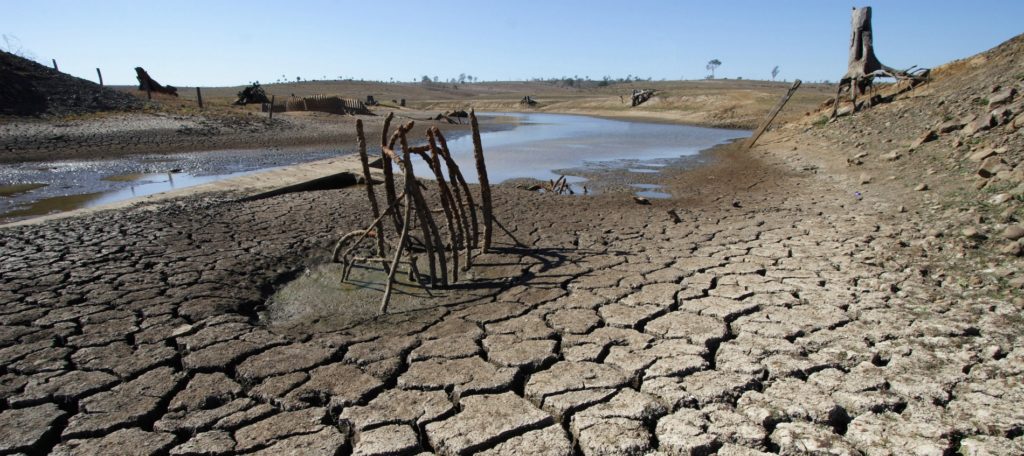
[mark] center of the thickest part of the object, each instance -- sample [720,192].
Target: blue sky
[212,42]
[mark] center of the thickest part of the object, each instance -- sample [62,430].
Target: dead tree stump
[863,66]
[148,84]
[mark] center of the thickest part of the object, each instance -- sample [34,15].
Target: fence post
[149,91]
[55,65]
[100,75]
[199,97]
[272,107]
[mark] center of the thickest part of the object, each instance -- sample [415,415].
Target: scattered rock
[1013,232]
[921,187]
[1002,97]
[891,156]
[950,126]
[925,137]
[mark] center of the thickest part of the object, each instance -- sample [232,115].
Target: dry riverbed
[771,311]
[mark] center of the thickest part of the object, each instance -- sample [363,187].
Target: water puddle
[651,191]
[68,185]
[17,189]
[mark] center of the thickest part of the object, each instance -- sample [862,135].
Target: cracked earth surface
[787,322]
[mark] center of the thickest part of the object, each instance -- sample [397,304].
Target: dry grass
[726,103]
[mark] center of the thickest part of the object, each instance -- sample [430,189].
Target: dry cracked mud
[792,321]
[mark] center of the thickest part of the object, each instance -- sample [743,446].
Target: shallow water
[537,146]
[49,187]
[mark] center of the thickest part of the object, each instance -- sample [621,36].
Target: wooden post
[364,161]
[485,185]
[55,65]
[98,73]
[199,97]
[771,114]
[149,91]
[272,107]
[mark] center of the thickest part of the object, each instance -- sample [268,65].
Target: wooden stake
[447,203]
[771,114]
[389,175]
[364,160]
[403,238]
[272,98]
[485,186]
[431,236]
[55,65]
[98,73]
[199,98]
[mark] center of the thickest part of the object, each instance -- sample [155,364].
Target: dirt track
[779,315]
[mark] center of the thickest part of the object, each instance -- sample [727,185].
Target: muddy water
[544,146]
[39,188]
[533,146]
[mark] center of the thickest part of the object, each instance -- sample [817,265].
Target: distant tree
[425,79]
[712,65]
[462,78]
[775,72]
[436,79]
[297,79]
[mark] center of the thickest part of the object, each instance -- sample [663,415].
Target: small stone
[972,233]
[1012,249]
[925,137]
[1002,97]
[865,179]
[891,156]
[992,166]
[1013,232]
[979,124]
[950,126]
[901,209]
[921,187]
[981,154]
[1000,198]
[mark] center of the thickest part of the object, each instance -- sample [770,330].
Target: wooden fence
[319,103]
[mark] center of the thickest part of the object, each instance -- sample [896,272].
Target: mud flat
[770,311]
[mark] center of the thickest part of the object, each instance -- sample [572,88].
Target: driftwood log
[148,84]
[411,211]
[863,66]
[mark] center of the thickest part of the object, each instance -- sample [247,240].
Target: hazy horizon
[217,44]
